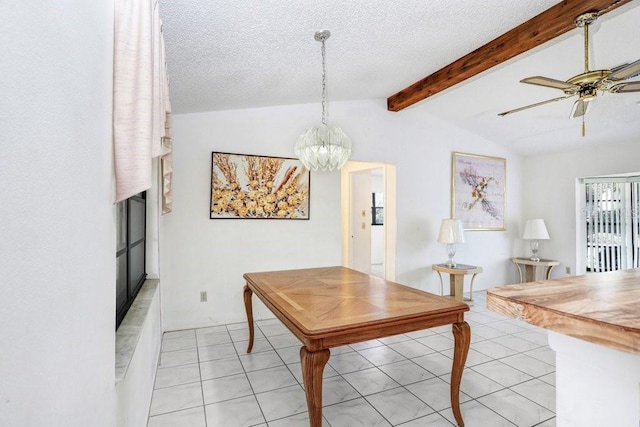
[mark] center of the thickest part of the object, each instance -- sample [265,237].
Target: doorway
[367,245]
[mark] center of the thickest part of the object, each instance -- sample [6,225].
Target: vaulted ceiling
[232,54]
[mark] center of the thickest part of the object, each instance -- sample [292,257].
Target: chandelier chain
[324,82]
[323,148]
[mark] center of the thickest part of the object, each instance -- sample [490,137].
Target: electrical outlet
[567,270]
[203,296]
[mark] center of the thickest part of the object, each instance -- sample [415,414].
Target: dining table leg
[249,309]
[313,363]
[462,339]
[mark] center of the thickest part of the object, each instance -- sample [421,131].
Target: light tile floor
[206,379]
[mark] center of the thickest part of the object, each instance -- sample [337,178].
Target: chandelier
[323,148]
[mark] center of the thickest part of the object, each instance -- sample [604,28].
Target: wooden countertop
[602,308]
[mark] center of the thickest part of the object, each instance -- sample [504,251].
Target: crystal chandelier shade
[323,148]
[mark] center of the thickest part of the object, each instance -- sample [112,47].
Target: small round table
[456,278]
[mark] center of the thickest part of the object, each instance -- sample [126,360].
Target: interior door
[361,221]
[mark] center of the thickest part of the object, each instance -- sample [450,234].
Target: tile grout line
[204,409]
[506,332]
[255,395]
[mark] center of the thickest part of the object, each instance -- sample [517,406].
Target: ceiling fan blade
[526,107]
[625,87]
[630,70]
[580,107]
[619,67]
[549,82]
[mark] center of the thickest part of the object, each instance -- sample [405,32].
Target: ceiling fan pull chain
[584,130]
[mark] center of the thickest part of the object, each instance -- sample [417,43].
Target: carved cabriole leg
[312,367]
[249,309]
[462,336]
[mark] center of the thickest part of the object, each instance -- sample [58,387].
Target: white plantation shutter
[612,224]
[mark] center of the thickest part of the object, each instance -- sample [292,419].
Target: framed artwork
[478,187]
[258,187]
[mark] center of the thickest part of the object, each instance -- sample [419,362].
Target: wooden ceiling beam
[546,26]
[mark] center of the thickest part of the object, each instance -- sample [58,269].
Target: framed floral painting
[478,187]
[258,187]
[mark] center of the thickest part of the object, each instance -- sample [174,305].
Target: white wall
[57,266]
[551,192]
[134,390]
[200,254]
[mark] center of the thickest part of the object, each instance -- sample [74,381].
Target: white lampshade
[534,229]
[451,231]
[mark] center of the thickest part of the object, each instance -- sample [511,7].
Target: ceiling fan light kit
[587,84]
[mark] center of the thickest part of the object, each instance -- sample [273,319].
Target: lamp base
[534,251]
[451,252]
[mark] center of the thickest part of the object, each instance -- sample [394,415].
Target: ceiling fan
[587,84]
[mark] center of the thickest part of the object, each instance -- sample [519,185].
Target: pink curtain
[141,106]
[166,166]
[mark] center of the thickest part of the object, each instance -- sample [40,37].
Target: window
[130,252]
[612,223]
[377,209]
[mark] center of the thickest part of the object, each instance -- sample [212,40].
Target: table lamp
[534,230]
[451,233]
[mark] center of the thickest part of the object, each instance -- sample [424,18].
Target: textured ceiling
[231,54]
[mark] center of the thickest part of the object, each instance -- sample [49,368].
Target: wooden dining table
[334,306]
